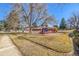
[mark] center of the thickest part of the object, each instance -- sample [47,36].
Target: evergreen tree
[63,24]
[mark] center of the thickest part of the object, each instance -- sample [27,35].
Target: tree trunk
[30,18]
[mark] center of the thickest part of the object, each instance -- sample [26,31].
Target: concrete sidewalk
[7,48]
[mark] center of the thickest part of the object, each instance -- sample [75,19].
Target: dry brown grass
[58,44]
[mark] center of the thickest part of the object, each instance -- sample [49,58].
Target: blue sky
[4,10]
[59,11]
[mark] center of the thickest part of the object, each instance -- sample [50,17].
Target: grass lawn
[36,44]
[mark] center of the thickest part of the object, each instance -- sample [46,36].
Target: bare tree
[74,21]
[12,22]
[36,13]
[48,20]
